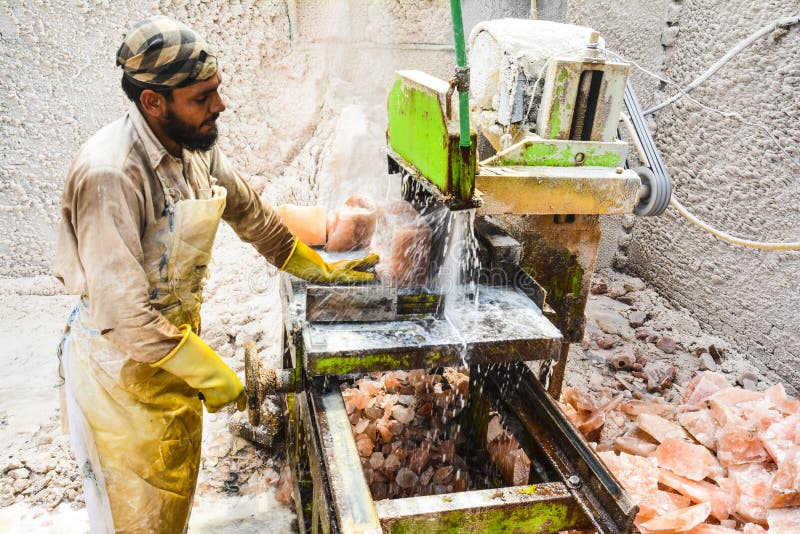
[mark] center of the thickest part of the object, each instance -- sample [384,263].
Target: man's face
[192,113]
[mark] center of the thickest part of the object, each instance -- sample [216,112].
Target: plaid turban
[160,53]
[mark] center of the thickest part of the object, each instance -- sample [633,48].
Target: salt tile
[638,475]
[721,500]
[660,428]
[784,520]
[786,481]
[755,491]
[702,426]
[702,386]
[738,443]
[781,437]
[634,446]
[680,520]
[777,397]
[685,459]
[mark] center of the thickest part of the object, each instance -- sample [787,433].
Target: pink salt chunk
[636,407]
[739,444]
[784,520]
[660,428]
[680,520]
[702,386]
[753,482]
[633,445]
[724,404]
[638,475]
[659,503]
[777,397]
[352,226]
[702,426]
[786,481]
[699,491]
[685,459]
[753,528]
[403,242]
[578,399]
[781,437]
[307,223]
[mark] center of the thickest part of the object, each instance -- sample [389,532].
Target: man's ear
[153,104]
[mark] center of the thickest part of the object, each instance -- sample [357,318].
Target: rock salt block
[694,462]
[364,445]
[681,520]
[699,491]
[786,481]
[781,437]
[578,399]
[638,475]
[403,242]
[402,414]
[702,426]
[702,386]
[352,226]
[753,482]
[777,397]
[659,503]
[784,520]
[659,428]
[739,444]
[307,223]
[725,404]
[596,419]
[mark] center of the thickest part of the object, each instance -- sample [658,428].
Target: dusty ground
[241,304]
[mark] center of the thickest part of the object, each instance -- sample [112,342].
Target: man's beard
[188,136]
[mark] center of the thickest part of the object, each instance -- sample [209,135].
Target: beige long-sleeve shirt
[112,196]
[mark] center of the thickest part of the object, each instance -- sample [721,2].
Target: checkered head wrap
[161,53]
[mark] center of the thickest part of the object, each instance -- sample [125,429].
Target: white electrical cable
[727,237]
[785,22]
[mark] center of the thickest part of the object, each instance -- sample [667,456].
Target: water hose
[462,73]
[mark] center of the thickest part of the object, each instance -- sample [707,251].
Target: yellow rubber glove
[193,361]
[305,263]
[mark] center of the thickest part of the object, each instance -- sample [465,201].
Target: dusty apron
[136,430]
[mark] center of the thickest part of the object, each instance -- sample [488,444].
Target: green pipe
[461,61]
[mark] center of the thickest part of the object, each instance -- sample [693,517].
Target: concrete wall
[728,173]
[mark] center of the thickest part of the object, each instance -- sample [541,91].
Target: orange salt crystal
[784,520]
[660,428]
[781,437]
[755,490]
[786,481]
[635,446]
[680,520]
[702,386]
[659,503]
[638,475]
[702,426]
[721,501]
[777,397]
[739,444]
[685,459]
[725,404]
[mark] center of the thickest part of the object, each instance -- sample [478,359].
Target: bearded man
[141,206]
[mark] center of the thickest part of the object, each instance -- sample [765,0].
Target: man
[140,210]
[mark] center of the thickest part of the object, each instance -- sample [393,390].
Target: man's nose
[218,104]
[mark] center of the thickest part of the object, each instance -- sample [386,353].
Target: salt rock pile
[724,459]
[405,431]
[403,242]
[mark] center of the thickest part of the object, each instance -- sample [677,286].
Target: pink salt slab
[352,226]
[685,459]
[724,404]
[659,503]
[781,437]
[307,223]
[660,428]
[739,444]
[755,490]
[784,520]
[638,475]
[786,481]
[699,491]
[702,426]
[636,407]
[702,386]
[680,520]
[777,397]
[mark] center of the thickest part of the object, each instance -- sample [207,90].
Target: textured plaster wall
[727,172]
